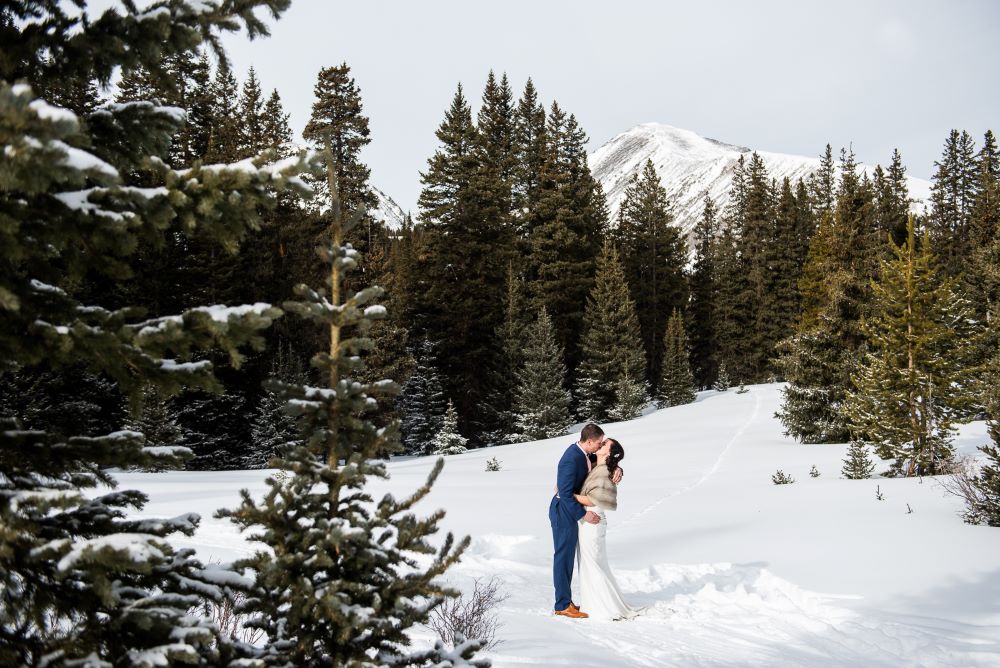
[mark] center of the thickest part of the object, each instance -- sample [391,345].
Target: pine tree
[461,269]
[630,398]
[251,115]
[892,200]
[511,336]
[448,441]
[530,144]
[913,384]
[820,358]
[858,464]
[676,385]
[337,113]
[564,232]
[541,404]
[953,194]
[338,589]
[83,580]
[277,133]
[273,427]
[495,123]
[421,403]
[155,420]
[722,382]
[224,142]
[702,325]
[654,255]
[612,343]
[983,277]
[823,185]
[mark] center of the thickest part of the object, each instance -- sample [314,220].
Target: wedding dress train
[600,596]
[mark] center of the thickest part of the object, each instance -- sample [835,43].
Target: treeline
[516,298]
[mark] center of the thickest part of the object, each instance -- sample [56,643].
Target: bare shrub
[232,623]
[963,473]
[472,615]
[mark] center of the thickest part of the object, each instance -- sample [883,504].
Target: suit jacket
[569,480]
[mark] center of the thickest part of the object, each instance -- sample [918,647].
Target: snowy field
[732,570]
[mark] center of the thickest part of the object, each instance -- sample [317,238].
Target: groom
[565,513]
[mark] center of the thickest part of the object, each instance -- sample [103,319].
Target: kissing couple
[586,487]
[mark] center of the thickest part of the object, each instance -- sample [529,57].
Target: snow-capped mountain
[388,211]
[689,166]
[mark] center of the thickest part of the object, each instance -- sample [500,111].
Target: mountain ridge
[691,166]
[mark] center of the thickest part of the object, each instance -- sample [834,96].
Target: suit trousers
[565,533]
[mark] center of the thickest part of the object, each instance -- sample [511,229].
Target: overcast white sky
[784,76]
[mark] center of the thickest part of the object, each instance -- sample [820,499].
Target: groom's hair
[590,432]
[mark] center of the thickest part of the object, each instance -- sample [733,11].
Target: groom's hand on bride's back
[617,476]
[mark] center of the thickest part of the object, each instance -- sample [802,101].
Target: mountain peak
[691,166]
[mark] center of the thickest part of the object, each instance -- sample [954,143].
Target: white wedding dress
[600,596]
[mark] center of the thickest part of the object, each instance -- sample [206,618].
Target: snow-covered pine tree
[156,420]
[422,403]
[722,381]
[858,464]
[448,441]
[541,402]
[273,427]
[913,384]
[835,286]
[987,483]
[339,583]
[676,382]
[612,342]
[81,582]
[510,335]
[630,398]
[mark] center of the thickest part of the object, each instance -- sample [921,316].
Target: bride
[599,592]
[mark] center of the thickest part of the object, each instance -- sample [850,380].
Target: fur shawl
[600,489]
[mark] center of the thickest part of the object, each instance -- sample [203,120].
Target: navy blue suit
[564,514]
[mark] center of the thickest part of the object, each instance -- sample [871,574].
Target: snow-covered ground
[733,570]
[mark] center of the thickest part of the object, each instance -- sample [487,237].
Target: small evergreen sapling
[676,380]
[448,441]
[493,464]
[722,381]
[858,464]
[782,478]
[814,472]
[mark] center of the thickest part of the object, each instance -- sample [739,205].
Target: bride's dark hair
[616,454]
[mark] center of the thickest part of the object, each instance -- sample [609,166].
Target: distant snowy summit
[689,166]
[387,211]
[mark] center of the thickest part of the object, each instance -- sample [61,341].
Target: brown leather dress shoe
[572,612]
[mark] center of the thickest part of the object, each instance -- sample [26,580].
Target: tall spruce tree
[564,236]
[82,579]
[981,279]
[654,255]
[530,145]
[461,268]
[224,142]
[702,324]
[676,385]
[541,402]
[819,359]
[612,342]
[338,580]
[953,194]
[251,115]
[338,114]
[914,382]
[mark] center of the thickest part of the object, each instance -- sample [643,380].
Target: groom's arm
[564,481]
